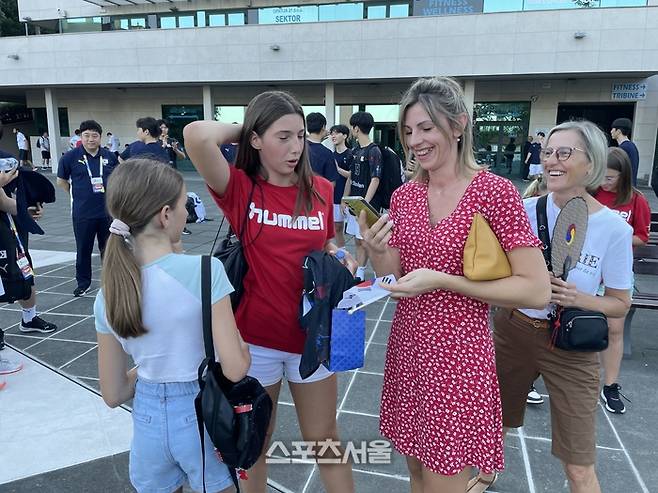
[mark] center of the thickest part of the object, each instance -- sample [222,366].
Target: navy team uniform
[88,175]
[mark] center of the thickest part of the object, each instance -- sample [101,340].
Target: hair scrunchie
[118,227]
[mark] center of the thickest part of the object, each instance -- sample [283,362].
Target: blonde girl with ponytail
[149,310]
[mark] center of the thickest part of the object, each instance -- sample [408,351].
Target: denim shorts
[166,450]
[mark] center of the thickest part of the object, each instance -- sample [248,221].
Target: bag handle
[542,230]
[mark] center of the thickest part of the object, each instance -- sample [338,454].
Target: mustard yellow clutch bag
[484,258]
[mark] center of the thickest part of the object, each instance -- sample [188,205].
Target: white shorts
[352,226]
[339,217]
[535,169]
[269,366]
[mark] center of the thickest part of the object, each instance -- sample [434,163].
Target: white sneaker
[534,397]
[7,367]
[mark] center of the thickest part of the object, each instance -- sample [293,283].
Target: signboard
[447,7]
[288,15]
[629,91]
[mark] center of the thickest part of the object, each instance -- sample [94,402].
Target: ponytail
[137,190]
[122,288]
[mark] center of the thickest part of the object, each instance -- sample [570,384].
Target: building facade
[525,64]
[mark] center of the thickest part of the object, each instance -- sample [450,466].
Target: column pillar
[208,110]
[329,104]
[52,116]
[469,95]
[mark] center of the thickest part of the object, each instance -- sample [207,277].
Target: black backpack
[15,285]
[236,415]
[392,176]
[191,213]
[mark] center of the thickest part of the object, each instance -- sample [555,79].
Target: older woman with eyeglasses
[574,160]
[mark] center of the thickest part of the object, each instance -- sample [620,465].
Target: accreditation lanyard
[21,258]
[96,181]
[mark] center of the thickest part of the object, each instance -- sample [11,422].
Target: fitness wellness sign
[447,7]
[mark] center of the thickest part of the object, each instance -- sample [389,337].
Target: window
[502,5]
[186,21]
[229,114]
[168,22]
[623,3]
[41,121]
[81,24]
[341,12]
[554,5]
[377,12]
[201,18]
[125,23]
[384,112]
[399,10]
[216,20]
[236,19]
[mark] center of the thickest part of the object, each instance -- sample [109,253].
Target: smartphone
[358,204]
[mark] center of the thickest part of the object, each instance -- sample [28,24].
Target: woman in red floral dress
[440,401]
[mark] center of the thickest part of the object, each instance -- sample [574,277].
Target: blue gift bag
[348,340]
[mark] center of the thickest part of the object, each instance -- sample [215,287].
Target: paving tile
[69,286]
[19,341]
[357,429]
[382,332]
[513,479]
[365,394]
[89,381]
[366,483]
[375,358]
[82,331]
[82,305]
[57,353]
[85,366]
[109,474]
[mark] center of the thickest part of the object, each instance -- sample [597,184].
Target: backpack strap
[206,316]
[542,230]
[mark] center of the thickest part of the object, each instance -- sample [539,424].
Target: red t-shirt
[637,212]
[268,314]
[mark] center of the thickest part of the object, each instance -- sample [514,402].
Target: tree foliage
[9,23]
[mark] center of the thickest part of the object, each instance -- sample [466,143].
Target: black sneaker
[186,231]
[610,396]
[38,324]
[80,291]
[2,339]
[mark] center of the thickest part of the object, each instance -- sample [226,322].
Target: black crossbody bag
[235,414]
[573,329]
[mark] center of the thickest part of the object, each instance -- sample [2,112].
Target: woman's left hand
[417,282]
[563,293]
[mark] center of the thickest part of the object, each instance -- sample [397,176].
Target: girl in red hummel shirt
[618,194]
[290,213]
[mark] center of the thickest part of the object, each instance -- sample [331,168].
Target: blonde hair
[441,96]
[137,190]
[536,189]
[595,145]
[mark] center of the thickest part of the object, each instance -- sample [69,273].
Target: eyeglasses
[562,153]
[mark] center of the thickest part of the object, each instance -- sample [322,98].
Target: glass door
[178,116]
[500,132]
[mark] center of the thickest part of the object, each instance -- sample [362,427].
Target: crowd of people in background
[452,386]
